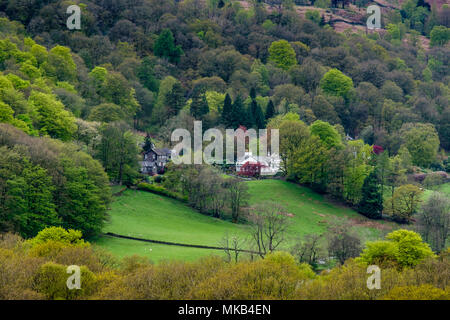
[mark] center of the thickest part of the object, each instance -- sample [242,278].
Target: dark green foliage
[165,47]
[371,204]
[199,105]
[147,143]
[227,111]
[118,152]
[237,113]
[270,110]
[79,200]
[175,100]
[257,115]
[146,75]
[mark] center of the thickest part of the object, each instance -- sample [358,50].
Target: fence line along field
[146,215]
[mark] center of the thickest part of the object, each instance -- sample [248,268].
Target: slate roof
[162,152]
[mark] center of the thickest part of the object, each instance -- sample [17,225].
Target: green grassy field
[146,215]
[445,188]
[156,252]
[312,213]
[149,216]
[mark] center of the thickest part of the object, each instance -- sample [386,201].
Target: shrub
[58,234]
[275,277]
[423,292]
[160,190]
[51,281]
[433,179]
[381,253]
[404,203]
[404,248]
[439,35]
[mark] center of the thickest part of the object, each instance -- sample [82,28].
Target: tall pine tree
[199,105]
[371,204]
[238,112]
[227,111]
[148,145]
[257,115]
[270,110]
[249,116]
[165,47]
[175,99]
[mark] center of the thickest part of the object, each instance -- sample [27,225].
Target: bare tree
[207,191]
[343,243]
[308,249]
[237,195]
[233,246]
[270,222]
[433,221]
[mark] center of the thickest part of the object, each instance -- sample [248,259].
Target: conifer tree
[257,115]
[175,99]
[238,112]
[147,143]
[226,111]
[199,105]
[371,203]
[165,47]
[252,93]
[249,116]
[270,110]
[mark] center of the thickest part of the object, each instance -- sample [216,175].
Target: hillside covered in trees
[363,117]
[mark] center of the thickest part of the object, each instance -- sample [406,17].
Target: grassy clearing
[149,216]
[155,252]
[146,215]
[312,212]
[445,188]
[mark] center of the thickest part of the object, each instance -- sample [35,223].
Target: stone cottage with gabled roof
[155,160]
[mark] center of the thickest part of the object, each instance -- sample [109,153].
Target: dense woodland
[36,269]
[364,117]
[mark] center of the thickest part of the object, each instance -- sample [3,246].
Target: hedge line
[160,191]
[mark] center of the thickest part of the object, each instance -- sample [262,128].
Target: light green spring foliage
[277,121]
[334,82]
[277,275]
[282,54]
[313,15]
[59,234]
[422,142]
[52,118]
[357,169]
[422,292]
[327,133]
[402,248]
[98,74]
[440,35]
[51,280]
[60,65]
[41,71]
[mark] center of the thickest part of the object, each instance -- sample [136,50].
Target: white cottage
[270,164]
